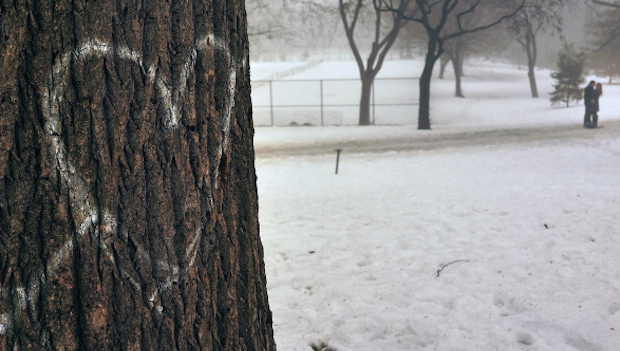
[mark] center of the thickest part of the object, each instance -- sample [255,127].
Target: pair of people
[591,95]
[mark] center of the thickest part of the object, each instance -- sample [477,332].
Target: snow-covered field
[497,230]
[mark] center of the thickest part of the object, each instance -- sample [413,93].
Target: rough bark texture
[128,201]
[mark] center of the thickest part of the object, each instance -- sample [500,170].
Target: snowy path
[413,139]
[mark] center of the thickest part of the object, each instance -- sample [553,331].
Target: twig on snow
[448,264]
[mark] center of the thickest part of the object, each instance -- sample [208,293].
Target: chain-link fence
[333,102]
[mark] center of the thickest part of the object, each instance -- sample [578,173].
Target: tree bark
[365,97]
[443,63]
[457,65]
[531,51]
[128,200]
[531,74]
[424,109]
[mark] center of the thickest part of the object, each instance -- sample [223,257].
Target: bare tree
[128,200]
[434,15]
[455,51]
[444,60]
[458,48]
[603,29]
[292,26]
[319,24]
[534,18]
[265,19]
[606,25]
[351,13]
[407,41]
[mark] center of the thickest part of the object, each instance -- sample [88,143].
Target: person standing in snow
[589,100]
[598,91]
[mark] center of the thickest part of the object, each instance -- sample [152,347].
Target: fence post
[321,102]
[322,106]
[337,159]
[271,101]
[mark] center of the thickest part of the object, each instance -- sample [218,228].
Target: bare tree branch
[434,17]
[606,3]
[379,48]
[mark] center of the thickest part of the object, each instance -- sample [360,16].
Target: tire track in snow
[437,140]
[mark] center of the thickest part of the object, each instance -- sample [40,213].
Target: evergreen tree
[570,75]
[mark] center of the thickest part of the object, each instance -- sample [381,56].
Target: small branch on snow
[448,264]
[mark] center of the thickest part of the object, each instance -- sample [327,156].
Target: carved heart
[80,197]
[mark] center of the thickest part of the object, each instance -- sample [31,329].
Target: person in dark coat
[598,89]
[589,100]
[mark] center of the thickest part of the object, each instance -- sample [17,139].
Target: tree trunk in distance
[128,200]
[531,51]
[443,63]
[365,98]
[457,65]
[424,119]
[531,74]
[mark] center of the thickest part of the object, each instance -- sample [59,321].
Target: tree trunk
[531,74]
[379,48]
[443,63]
[457,65]
[128,200]
[531,66]
[365,101]
[424,115]
[531,51]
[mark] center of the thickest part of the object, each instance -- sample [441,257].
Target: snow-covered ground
[497,230]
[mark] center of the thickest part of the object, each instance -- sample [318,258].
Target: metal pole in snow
[337,159]
[271,100]
[321,102]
